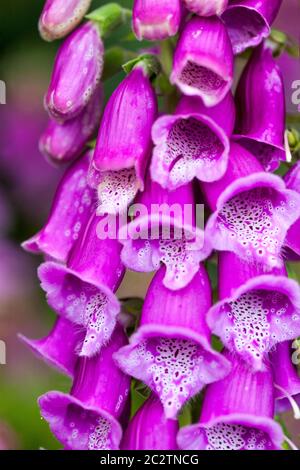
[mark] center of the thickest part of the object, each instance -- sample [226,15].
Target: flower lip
[243,185]
[213,365]
[242,38]
[54,407]
[72,206]
[194,243]
[101,306]
[219,321]
[203,60]
[202,8]
[271,152]
[57,353]
[186,436]
[160,133]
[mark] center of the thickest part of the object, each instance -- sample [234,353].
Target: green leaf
[148,62]
[109,17]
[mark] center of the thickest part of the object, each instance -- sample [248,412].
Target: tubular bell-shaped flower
[87,418]
[62,142]
[76,73]
[286,378]
[149,429]
[83,291]
[255,315]
[123,148]
[156,19]
[237,413]
[205,8]
[292,241]
[253,210]
[262,133]
[203,60]
[73,204]
[192,143]
[171,352]
[248,21]
[60,17]
[59,348]
[165,232]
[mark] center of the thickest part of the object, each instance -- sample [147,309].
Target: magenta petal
[262,133]
[286,377]
[192,143]
[76,73]
[83,291]
[165,233]
[292,241]
[60,17]
[252,218]
[116,189]
[259,314]
[203,60]
[62,142]
[156,19]
[59,347]
[73,204]
[237,414]
[149,429]
[171,352]
[248,21]
[205,8]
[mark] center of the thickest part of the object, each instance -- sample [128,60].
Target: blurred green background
[27,184]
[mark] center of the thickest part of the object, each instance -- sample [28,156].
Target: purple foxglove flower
[62,142]
[292,241]
[205,8]
[203,60]
[252,213]
[83,290]
[165,232]
[254,316]
[286,379]
[87,418]
[156,20]
[73,204]
[122,149]
[260,122]
[192,143]
[248,21]
[76,74]
[149,429]
[60,17]
[237,414]
[171,352]
[59,347]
